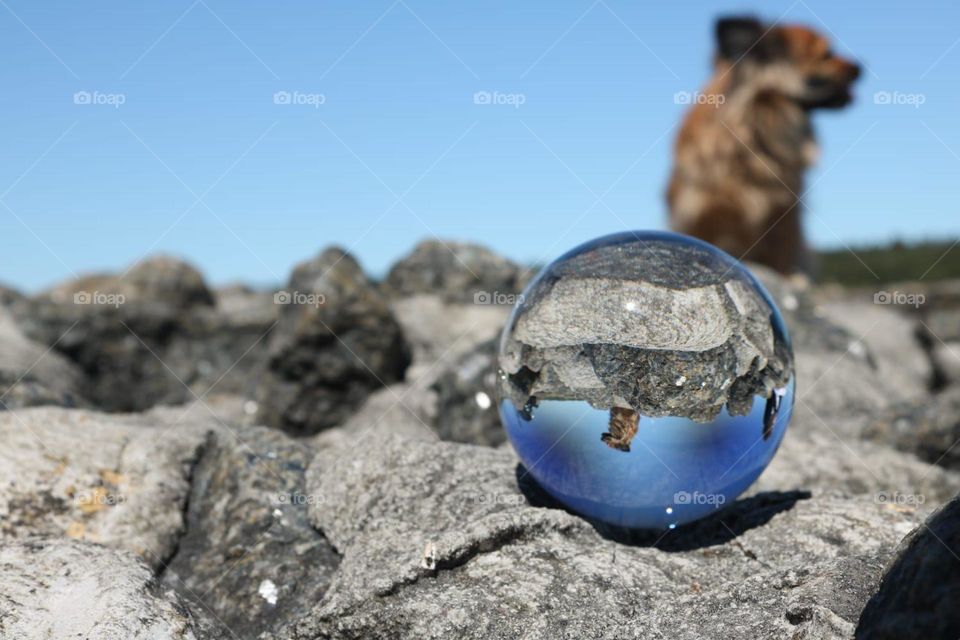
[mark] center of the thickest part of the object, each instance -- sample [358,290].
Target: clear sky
[182,144]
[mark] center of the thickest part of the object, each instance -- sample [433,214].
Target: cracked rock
[250,555]
[439,540]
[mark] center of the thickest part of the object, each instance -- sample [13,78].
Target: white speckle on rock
[429,559]
[680,381]
[856,348]
[483,400]
[268,591]
[250,407]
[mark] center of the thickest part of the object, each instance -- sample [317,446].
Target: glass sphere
[646,379]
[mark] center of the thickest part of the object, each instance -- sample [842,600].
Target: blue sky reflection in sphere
[646,379]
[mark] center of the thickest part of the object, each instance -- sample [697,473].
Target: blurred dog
[743,148]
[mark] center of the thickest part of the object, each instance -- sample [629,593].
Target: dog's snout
[854,70]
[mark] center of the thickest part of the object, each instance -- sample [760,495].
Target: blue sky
[184,149]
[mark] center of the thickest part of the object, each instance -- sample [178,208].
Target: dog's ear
[736,37]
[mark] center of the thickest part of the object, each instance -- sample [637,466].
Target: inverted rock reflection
[646,379]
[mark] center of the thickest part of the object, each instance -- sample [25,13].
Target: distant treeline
[894,262]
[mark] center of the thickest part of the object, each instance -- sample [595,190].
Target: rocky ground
[183,462]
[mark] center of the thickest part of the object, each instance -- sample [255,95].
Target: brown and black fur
[623,427]
[739,165]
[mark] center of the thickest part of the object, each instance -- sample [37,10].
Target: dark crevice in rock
[201,454]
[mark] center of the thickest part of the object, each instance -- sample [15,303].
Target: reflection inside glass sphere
[646,379]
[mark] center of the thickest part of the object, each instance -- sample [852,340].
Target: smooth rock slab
[57,588]
[119,481]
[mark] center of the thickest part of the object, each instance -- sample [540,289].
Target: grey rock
[467,399]
[439,540]
[33,375]
[250,555]
[440,333]
[822,459]
[648,324]
[928,428]
[103,478]
[946,359]
[149,336]
[56,588]
[918,596]
[400,409]
[893,340]
[336,343]
[456,271]
[9,295]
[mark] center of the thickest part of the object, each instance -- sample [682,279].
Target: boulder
[336,342]
[34,375]
[918,595]
[457,272]
[152,335]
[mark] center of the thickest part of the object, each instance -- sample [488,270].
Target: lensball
[646,379]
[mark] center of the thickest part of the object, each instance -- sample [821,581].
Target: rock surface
[56,588]
[336,343]
[78,474]
[33,375]
[438,537]
[456,271]
[149,336]
[250,555]
[929,428]
[918,595]
[196,521]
